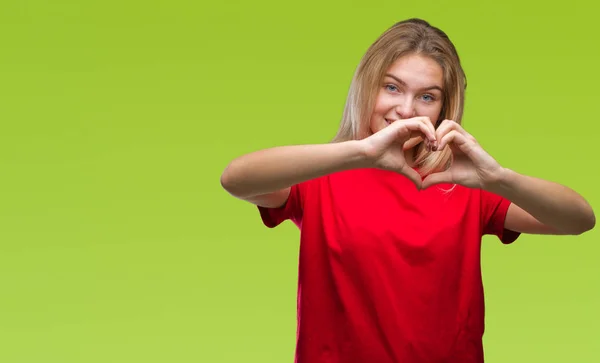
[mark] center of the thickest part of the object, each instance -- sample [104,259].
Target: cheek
[384,102]
[431,111]
[379,107]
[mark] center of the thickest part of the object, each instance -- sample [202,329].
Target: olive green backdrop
[117,118]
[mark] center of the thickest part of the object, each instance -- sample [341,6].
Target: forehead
[417,71]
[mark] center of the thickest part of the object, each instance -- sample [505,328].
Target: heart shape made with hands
[471,165]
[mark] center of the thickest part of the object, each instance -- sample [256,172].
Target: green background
[118,117]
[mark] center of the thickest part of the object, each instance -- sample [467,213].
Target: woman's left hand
[472,167]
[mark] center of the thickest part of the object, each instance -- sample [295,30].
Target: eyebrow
[404,83]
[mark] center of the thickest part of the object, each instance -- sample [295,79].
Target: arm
[538,206]
[264,177]
[542,207]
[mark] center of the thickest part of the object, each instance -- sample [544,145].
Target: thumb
[411,174]
[437,178]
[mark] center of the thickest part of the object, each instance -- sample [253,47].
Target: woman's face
[412,87]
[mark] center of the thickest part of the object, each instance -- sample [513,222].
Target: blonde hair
[412,36]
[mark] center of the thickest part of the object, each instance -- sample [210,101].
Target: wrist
[365,153]
[500,181]
[357,154]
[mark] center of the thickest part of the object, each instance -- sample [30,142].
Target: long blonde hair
[412,36]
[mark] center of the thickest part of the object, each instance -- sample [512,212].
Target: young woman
[392,212]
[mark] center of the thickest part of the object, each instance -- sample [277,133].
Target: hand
[471,166]
[385,148]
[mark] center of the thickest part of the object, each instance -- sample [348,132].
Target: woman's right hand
[265,177]
[385,148]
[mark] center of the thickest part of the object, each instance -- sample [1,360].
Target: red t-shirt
[387,273]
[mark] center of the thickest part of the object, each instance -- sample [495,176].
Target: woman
[390,272]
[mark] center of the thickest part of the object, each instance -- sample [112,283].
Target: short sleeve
[292,209]
[494,209]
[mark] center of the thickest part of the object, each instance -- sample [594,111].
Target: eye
[391,88]
[428,98]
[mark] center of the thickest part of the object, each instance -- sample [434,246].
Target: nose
[406,108]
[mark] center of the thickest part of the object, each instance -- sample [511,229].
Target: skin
[538,206]
[412,86]
[406,95]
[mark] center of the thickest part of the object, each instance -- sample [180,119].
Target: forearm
[550,203]
[269,170]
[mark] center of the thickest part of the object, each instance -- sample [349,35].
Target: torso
[388,273]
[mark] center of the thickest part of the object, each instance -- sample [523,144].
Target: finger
[424,119]
[455,138]
[437,178]
[449,125]
[406,128]
[412,142]
[431,145]
[417,137]
[445,127]
[411,174]
[427,121]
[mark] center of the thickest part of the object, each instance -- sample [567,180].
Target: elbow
[588,222]
[230,183]
[227,182]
